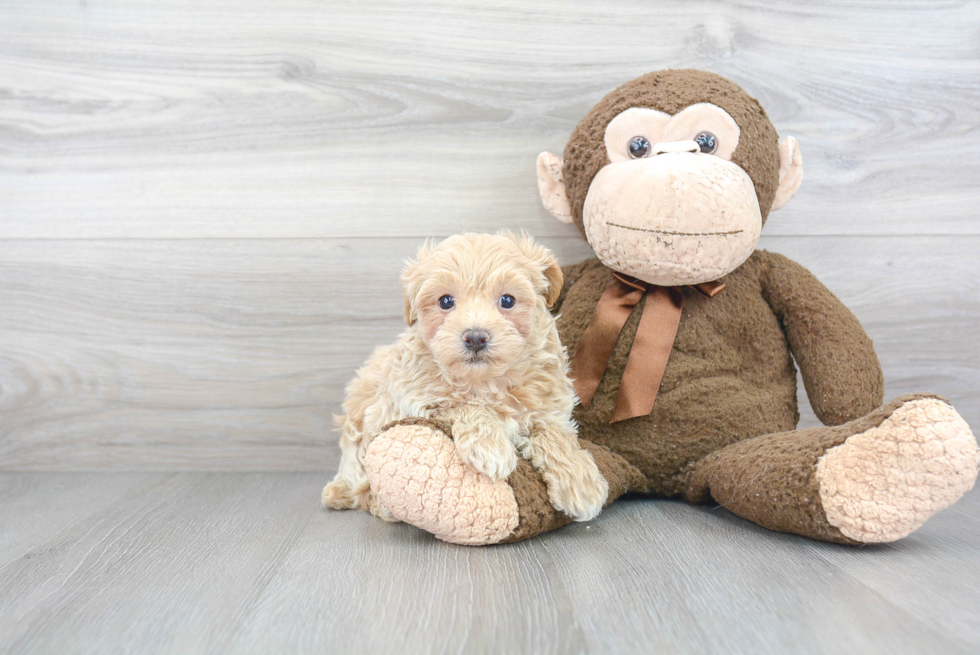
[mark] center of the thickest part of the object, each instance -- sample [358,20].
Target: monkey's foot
[883,483]
[416,473]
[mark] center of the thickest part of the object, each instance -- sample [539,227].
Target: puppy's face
[477,299]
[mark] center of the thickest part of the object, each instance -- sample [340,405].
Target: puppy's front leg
[483,440]
[350,488]
[574,483]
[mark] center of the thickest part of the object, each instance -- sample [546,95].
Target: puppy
[481,354]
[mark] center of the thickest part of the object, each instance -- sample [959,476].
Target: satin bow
[651,347]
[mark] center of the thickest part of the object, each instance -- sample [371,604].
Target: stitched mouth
[677,234]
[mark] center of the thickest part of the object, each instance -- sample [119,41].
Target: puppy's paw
[340,494]
[489,452]
[577,488]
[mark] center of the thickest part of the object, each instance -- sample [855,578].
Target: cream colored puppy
[482,354]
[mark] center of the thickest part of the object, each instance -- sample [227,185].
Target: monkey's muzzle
[662,218]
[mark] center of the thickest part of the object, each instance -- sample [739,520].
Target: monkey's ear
[790,171]
[551,186]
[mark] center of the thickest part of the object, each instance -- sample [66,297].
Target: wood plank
[166,355]
[134,120]
[169,568]
[36,508]
[922,573]
[697,579]
[247,563]
[392,588]
[212,355]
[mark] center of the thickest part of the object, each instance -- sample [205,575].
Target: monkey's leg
[416,473]
[875,479]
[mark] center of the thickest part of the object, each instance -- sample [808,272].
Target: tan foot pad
[416,473]
[883,483]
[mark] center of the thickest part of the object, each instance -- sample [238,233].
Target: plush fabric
[884,482]
[663,130]
[537,515]
[672,91]
[869,480]
[417,473]
[731,374]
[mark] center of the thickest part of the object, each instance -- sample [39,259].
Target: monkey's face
[671,208]
[671,176]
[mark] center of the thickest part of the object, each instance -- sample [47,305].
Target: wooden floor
[247,563]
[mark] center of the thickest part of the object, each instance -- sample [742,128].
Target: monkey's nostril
[476,340]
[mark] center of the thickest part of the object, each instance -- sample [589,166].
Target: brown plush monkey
[683,339]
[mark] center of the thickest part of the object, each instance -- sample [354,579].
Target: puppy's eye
[507,301]
[447,302]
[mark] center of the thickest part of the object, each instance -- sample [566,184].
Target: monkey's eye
[507,301]
[707,142]
[639,147]
[447,302]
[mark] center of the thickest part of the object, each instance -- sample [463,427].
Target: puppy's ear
[412,280]
[544,260]
[555,279]
[410,315]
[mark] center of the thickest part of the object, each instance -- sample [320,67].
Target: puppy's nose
[476,340]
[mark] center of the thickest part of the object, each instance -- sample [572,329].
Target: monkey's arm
[570,275]
[840,370]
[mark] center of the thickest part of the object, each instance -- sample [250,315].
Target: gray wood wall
[204,206]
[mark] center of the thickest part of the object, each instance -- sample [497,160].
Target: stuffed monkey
[683,338]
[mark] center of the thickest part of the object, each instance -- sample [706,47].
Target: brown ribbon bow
[651,347]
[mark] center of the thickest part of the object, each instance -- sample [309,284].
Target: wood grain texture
[242,119]
[33,508]
[163,355]
[205,207]
[921,575]
[247,563]
[166,567]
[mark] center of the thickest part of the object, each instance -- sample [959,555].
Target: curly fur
[512,398]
